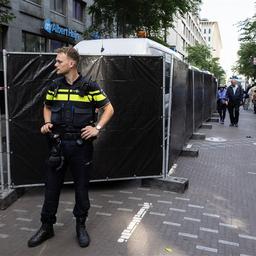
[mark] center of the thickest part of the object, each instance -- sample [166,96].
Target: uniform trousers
[78,158]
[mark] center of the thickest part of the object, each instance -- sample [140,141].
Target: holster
[56,158]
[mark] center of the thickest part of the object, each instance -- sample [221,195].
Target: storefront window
[78,9]
[58,5]
[33,43]
[54,44]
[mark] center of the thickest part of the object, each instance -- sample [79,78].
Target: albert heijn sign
[54,28]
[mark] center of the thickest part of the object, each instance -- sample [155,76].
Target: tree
[246,56]
[245,64]
[248,29]
[200,56]
[5,14]
[126,17]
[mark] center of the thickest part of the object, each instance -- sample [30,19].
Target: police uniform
[72,108]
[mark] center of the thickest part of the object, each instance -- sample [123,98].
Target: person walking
[69,120]
[235,100]
[252,96]
[222,103]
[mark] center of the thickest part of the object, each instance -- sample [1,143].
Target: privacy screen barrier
[131,143]
[142,89]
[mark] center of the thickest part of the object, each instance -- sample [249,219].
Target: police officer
[69,116]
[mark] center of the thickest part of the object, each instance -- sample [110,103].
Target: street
[215,216]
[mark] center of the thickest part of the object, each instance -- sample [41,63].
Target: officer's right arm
[47,120]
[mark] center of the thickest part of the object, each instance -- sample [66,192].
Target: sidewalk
[215,216]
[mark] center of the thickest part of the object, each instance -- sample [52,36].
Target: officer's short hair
[71,52]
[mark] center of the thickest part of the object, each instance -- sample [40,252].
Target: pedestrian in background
[69,119]
[252,95]
[235,100]
[222,102]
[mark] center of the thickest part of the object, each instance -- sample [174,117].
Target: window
[33,43]
[54,44]
[209,31]
[57,5]
[78,10]
[205,31]
[209,39]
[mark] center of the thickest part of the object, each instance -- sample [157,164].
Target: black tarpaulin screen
[180,95]
[131,144]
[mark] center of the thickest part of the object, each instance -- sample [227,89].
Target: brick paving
[215,216]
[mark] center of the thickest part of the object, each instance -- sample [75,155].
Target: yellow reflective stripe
[50,92]
[63,97]
[93,92]
[99,97]
[63,90]
[75,97]
[49,97]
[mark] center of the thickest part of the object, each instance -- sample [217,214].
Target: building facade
[211,34]
[186,31]
[44,25]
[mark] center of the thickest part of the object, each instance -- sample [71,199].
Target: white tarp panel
[123,46]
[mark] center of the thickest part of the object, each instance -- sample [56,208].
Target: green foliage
[247,50]
[5,15]
[248,29]
[200,56]
[246,54]
[126,17]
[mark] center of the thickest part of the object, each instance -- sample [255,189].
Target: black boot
[81,232]
[45,232]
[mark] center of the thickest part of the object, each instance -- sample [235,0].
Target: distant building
[186,31]
[211,34]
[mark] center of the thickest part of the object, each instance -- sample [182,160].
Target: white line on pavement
[115,202]
[157,213]
[125,192]
[4,235]
[182,198]
[125,209]
[209,230]
[19,210]
[155,195]
[247,237]
[177,210]
[211,215]
[126,234]
[208,249]
[228,243]
[227,225]
[134,198]
[192,219]
[96,206]
[144,189]
[28,229]
[172,223]
[164,202]
[104,214]
[24,219]
[195,206]
[188,235]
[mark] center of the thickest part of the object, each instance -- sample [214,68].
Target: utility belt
[56,158]
[70,136]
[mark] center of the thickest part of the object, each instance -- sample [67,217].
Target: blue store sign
[53,28]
